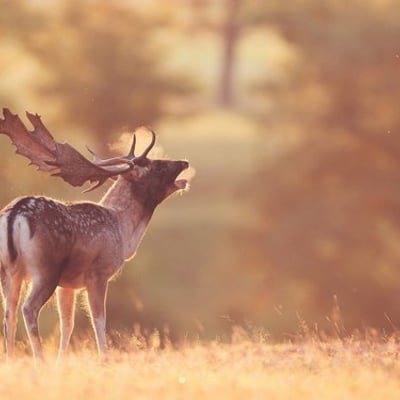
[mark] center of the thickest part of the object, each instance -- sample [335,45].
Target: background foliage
[289,115]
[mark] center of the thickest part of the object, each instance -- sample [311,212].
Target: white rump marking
[24,244]
[21,238]
[3,238]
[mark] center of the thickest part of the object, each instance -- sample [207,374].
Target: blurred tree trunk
[230,34]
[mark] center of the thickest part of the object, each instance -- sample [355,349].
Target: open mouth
[183,180]
[181,184]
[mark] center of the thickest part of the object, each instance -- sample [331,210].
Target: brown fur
[70,246]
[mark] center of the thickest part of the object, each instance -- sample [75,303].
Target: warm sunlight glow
[282,118]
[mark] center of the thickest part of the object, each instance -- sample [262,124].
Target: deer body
[63,247]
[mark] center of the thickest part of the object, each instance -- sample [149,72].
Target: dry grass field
[248,369]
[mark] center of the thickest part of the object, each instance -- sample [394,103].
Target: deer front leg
[41,290]
[66,312]
[97,291]
[11,287]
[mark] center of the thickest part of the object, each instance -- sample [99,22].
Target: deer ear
[139,172]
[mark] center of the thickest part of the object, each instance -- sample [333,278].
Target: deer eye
[159,167]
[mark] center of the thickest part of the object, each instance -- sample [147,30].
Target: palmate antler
[43,151]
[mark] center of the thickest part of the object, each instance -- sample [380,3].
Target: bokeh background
[289,112]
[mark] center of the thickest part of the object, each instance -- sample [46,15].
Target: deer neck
[132,215]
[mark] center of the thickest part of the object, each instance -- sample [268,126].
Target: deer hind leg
[41,290]
[66,312]
[96,296]
[11,287]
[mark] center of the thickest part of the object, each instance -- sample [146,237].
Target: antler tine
[112,161]
[131,153]
[150,146]
[108,161]
[129,159]
[95,156]
[115,160]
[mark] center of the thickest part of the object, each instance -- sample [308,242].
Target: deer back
[69,238]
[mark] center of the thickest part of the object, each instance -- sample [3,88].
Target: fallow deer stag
[79,245]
